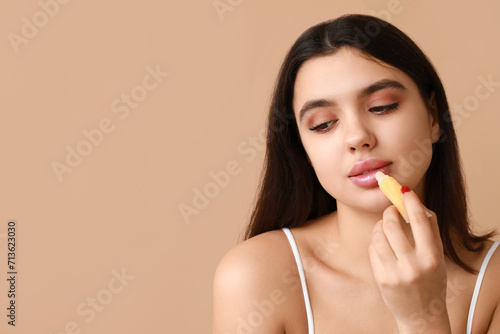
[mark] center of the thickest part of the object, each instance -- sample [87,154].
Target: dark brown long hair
[290,193]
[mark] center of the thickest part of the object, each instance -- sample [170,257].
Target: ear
[434,118]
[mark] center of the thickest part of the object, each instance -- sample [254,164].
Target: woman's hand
[411,273]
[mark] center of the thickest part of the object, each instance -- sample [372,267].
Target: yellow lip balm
[392,189]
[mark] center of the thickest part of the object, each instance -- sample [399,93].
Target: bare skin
[367,271]
[344,297]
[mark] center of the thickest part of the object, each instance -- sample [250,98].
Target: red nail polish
[405,189]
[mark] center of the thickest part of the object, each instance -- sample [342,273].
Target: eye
[380,110]
[323,127]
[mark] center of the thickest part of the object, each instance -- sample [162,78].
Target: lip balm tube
[392,189]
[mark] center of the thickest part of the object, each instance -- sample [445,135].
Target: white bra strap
[479,281]
[295,250]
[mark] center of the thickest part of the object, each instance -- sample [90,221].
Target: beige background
[118,209]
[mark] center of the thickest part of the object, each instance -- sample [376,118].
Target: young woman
[325,251]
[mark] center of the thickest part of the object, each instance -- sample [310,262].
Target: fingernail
[405,189]
[428,214]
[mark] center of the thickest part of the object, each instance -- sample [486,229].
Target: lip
[373,165]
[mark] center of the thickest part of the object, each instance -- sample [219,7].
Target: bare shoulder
[487,313]
[490,289]
[255,260]
[249,288]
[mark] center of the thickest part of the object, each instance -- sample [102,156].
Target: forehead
[342,75]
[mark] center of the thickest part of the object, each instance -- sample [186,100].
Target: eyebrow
[379,85]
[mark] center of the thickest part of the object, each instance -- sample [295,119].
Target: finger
[423,231]
[435,227]
[394,233]
[380,245]
[378,266]
[433,219]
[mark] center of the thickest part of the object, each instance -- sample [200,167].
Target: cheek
[415,150]
[324,158]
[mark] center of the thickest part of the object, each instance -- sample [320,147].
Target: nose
[359,135]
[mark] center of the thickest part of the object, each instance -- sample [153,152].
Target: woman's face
[355,117]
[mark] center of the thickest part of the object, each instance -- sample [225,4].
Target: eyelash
[317,127]
[378,110]
[385,109]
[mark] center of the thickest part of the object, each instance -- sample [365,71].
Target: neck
[353,229]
